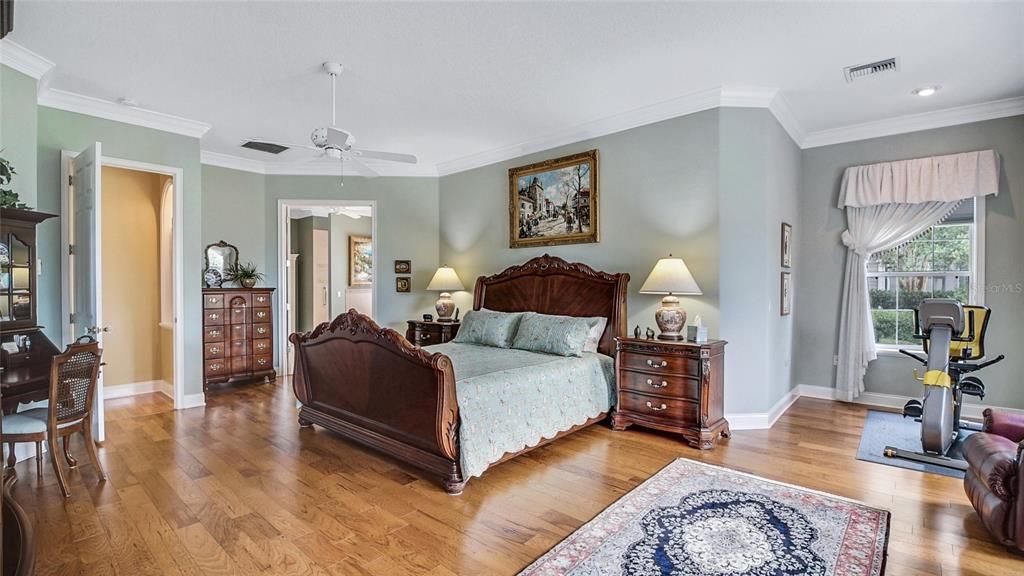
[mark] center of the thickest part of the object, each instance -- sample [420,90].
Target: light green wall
[302,244]
[19,130]
[74,132]
[658,194]
[234,207]
[759,172]
[820,250]
[341,228]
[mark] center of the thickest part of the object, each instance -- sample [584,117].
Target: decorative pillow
[561,335]
[597,325]
[488,328]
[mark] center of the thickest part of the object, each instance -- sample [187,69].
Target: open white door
[86,265]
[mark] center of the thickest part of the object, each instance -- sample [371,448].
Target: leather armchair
[994,480]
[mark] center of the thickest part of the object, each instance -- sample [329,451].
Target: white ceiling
[450,80]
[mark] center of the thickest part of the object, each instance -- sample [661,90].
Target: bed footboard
[373,386]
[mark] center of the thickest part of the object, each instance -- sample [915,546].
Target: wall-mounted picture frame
[787,245]
[360,261]
[554,202]
[786,294]
[403,284]
[403,266]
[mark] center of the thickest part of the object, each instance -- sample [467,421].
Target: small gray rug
[883,429]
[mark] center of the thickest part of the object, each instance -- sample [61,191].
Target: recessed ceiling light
[926,91]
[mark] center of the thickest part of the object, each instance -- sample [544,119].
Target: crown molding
[313,168]
[90,106]
[746,96]
[16,56]
[784,115]
[916,122]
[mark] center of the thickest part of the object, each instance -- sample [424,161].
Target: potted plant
[245,274]
[8,197]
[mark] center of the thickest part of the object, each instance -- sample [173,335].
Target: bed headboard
[550,285]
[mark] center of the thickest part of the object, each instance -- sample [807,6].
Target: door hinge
[71,249]
[71,318]
[71,180]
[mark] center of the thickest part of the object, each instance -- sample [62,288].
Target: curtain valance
[949,178]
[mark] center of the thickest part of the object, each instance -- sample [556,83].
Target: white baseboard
[192,401]
[136,388]
[765,420]
[762,420]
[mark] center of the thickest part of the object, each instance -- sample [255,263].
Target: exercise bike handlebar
[965,367]
[920,359]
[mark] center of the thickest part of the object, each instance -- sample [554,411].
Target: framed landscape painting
[554,202]
[360,261]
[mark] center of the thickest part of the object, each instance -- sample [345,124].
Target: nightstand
[671,386]
[423,333]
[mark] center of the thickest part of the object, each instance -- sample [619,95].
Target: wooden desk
[25,376]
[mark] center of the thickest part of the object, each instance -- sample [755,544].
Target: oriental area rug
[695,519]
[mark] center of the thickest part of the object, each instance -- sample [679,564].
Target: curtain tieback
[849,243]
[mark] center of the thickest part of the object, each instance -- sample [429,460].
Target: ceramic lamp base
[671,319]
[445,307]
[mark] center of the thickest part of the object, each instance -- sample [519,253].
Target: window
[943,262]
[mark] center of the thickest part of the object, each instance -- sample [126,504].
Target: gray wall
[658,194]
[759,180]
[820,250]
[341,228]
[302,244]
[234,208]
[18,130]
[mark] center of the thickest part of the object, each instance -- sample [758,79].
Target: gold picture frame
[555,202]
[360,261]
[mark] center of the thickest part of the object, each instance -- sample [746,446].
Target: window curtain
[886,205]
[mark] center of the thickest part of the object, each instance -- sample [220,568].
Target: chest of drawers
[671,386]
[238,335]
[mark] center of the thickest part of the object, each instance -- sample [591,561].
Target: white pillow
[597,325]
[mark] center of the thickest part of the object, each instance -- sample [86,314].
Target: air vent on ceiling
[862,71]
[267,147]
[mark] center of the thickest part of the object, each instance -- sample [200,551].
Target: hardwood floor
[238,488]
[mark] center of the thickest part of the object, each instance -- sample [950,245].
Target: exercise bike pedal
[913,409]
[972,386]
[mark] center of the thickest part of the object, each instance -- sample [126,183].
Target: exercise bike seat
[969,341]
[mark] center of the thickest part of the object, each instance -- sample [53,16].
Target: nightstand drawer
[658,363]
[426,337]
[665,385]
[681,411]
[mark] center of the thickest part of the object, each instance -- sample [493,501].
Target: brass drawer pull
[261,298]
[214,367]
[656,408]
[261,314]
[214,316]
[652,384]
[212,299]
[262,361]
[422,337]
[214,350]
[214,332]
[662,364]
[261,330]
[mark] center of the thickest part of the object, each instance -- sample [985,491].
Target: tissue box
[697,333]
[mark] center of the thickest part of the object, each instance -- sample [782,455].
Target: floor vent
[862,71]
[268,147]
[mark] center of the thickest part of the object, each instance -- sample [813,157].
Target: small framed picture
[403,266]
[787,245]
[403,284]
[786,294]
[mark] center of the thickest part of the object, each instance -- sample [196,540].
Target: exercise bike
[953,347]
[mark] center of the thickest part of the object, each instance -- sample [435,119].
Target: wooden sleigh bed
[371,385]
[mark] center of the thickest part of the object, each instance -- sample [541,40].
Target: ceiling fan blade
[389,156]
[288,144]
[359,168]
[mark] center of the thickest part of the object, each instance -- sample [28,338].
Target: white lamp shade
[671,276]
[445,280]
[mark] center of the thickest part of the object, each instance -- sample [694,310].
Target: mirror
[219,257]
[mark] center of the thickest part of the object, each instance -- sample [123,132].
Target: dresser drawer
[239,315]
[261,315]
[262,362]
[213,334]
[214,350]
[216,368]
[262,346]
[239,348]
[663,385]
[239,331]
[213,317]
[262,330]
[681,411]
[660,363]
[239,300]
[240,365]
[261,300]
[213,301]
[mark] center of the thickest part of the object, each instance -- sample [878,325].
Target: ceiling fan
[338,144]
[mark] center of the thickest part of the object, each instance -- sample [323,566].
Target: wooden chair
[73,379]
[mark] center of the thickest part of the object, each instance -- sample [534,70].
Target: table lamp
[445,280]
[671,277]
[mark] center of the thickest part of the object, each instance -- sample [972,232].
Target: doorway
[130,269]
[328,260]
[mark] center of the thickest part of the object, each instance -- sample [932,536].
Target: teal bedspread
[510,399]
